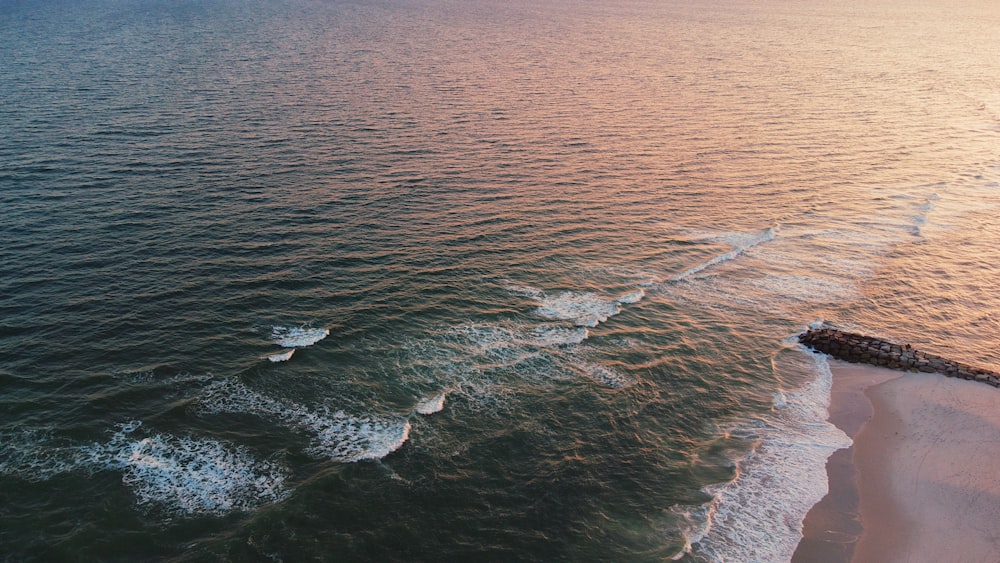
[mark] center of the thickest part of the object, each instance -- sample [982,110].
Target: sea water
[424,280]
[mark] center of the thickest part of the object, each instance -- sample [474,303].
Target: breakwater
[860,349]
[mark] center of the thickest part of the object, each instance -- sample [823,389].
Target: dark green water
[539,268]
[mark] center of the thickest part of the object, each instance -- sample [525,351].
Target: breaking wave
[281,356]
[297,337]
[584,308]
[431,405]
[741,243]
[752,518]
[336,434]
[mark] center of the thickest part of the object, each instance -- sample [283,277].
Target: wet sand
[919,484]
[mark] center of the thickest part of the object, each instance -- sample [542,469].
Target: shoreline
[916,483]
[833,527]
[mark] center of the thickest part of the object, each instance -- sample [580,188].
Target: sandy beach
[919,483]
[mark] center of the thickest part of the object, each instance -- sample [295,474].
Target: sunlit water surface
[437,280]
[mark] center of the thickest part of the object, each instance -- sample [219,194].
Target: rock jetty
[860,349]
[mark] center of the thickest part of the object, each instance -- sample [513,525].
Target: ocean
[431,280]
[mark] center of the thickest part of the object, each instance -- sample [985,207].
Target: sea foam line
[742,243]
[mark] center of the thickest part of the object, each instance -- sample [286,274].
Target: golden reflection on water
[425,180]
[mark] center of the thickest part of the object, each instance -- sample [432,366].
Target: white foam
[556,335]
[346,438]
[632,297]
[758,516]
[484,338]
[184,476]
[583,309]
[431,405]
[490,345]
[297,337]
[187,475]
[281,356]
[472,360]
[524,291]
[693,525]
[336,434]
[741,243]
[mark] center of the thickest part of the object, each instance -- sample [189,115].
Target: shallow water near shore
[416,280]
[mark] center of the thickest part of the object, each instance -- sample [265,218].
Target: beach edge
[833,526]
[914,484]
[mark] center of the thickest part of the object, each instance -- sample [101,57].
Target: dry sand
[924,471]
